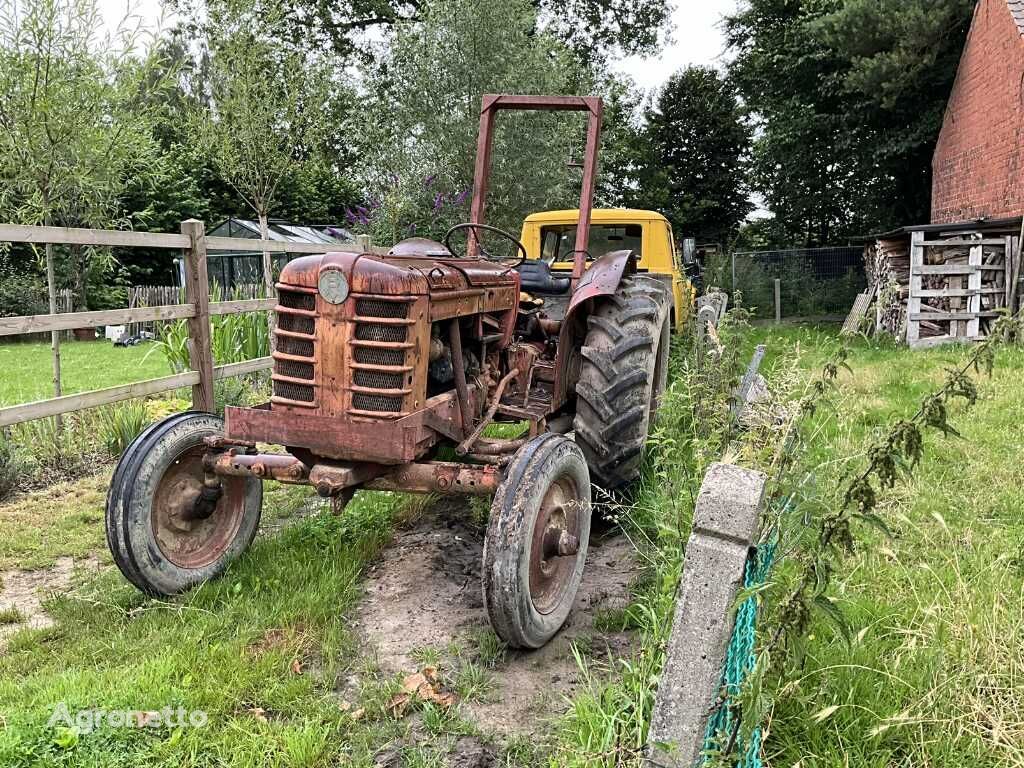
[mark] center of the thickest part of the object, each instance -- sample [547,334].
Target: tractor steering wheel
[473,228]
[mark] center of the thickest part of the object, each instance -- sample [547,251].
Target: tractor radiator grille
[376,403]
[378,308]
[377,380]
[294,356]
[378,356]
[395,334]
[385,344]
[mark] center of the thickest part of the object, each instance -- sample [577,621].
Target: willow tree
[73,128]
[267,112]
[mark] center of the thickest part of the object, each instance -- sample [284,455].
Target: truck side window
[549,244]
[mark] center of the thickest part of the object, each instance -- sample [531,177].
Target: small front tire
[536,543]
[155,541]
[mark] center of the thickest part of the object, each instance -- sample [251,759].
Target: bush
[12,467]
[122,424]
[23,294]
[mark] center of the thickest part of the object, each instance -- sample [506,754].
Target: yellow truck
[550,236]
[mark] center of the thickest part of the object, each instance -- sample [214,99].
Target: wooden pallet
[855,320]
[958,286]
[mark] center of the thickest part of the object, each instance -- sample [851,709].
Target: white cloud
[698,38]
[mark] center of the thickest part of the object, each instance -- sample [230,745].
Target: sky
[696,39]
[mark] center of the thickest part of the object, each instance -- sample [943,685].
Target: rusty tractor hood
[398,274]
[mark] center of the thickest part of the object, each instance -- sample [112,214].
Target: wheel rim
[191,543]
[660,363]
[555,544]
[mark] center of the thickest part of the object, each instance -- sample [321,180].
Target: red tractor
[382,361]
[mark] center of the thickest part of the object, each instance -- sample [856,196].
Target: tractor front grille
[294,376]
[379,308]
[376,403]
[381,342]
[299,392]
[392,334]
[378,356]
[377,380]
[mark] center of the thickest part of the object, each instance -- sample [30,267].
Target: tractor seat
[535,277]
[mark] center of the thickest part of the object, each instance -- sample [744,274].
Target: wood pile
[930,288]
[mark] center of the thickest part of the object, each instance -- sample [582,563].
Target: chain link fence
[812,282]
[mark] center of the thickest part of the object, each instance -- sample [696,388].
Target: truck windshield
[559,242]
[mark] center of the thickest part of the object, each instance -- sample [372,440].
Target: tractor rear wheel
[536,543]
[161,541]
[622,378]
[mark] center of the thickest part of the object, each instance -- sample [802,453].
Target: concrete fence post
[725,526]
[778,301]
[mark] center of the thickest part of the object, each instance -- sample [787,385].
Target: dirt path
[425,592]
[25,591]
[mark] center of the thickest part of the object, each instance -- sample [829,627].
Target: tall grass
[234,338]
[607,722]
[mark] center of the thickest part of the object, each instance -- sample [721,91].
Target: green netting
[739,662]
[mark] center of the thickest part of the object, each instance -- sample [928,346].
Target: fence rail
[197,310]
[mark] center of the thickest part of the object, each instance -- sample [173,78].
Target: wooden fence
[197,310]
[140,296]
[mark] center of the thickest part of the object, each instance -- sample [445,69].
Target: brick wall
[979,158]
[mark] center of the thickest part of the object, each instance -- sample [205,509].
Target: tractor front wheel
[164,537]
[536,543]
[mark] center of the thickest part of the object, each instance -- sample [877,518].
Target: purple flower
[429,181]
[350,217]
[438,202]
[461,197]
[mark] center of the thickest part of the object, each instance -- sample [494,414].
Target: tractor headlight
[333,286]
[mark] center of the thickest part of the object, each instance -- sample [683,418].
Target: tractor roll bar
[488,111]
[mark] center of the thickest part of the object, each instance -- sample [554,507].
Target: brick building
[979,158]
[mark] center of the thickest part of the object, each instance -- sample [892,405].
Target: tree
[421,119]
[268,108]
[592,28]
[73,127]
[847,98]
[693,158]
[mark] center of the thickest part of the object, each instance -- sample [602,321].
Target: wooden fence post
[778,301]
[197,292]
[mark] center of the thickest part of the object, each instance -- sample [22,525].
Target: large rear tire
[622,378]
[536,543]
[155,541]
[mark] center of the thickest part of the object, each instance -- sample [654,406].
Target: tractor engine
[362,338]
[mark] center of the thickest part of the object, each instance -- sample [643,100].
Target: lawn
[28,368]
[934,674]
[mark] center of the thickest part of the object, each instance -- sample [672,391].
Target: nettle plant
[819,556]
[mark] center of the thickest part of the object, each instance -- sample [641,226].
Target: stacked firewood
[948,305]
[888,268]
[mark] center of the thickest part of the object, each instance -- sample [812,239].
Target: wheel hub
[187,538]
[555,545]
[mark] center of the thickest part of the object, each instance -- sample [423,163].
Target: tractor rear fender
[601,279]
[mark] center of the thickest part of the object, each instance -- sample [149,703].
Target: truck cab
[550,236]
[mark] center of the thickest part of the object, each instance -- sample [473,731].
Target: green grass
[28,373]
[935,673]
[934,676]
[227,648]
